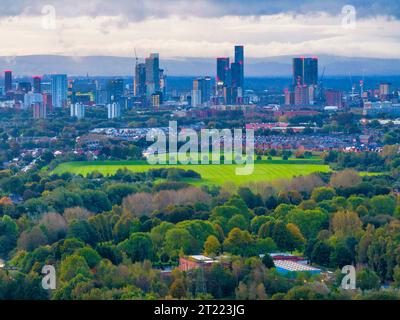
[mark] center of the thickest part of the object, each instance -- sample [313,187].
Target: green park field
[264,170]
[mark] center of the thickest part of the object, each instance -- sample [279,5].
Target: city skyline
[200,28]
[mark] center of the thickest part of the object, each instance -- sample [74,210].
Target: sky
[200,28]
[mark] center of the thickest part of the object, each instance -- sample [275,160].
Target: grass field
[265,170]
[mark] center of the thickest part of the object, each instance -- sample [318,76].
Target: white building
[196,98]
[78,111]
[31,99]
[114,110]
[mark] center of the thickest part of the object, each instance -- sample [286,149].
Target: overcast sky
[199,28]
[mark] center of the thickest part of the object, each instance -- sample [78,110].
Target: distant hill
[255,67]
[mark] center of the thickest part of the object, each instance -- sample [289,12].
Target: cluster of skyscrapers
[305,87]
[229,83]
[150,82]
[31,94]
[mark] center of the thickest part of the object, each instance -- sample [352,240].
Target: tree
[237,221]
[368,280]
[90,255]
[268,262]
[138,247]
[323,193]
[346,224]
[345,179]
[117,192]
[239,242]
[178,239]
[178,289]
[95,201]
[321,253]
[310,222]
[82,230]
[8,235]
[72,266]
[212,246]
[383,205]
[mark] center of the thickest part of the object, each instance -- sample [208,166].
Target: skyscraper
[305,71]
[201,93]
[78,110]
[223,70]
[152,74]
[39,110]
[59,88]
[114,110]
[37,84]
[115,90]
[239,59]
[7,81]
[140,80]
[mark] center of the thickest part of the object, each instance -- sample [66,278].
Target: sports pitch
[211,174]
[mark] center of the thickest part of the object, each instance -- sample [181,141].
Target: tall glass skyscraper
[305,71]
[59,88]
[152,74]
[239,59]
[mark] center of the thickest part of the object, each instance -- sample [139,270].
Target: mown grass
[264,170]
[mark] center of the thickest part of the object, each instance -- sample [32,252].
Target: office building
[78,111]
[39,110]
[152,74]
[114,110]
[32,98]
[59,90]
[301,95]
[115,90]
[37,84]
[201,93]
[305,71]
[7,81]
[333,98]
[223,70]
[24,87]
[140,80]
[239,59]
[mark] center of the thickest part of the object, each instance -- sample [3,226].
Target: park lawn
[211,174]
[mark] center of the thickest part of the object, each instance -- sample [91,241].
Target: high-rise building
[115,90]
[140,80]
[7,81]
[152,75]
[333,98]
[24,86]
[59,90]
[78,110]
[114,110]
[305,71]
[37,84]
[32,98]
[239,59]
[201,93]
[39,110]
[301,95]
[223,70]
[384,91]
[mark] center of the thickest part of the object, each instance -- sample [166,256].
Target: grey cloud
[135,10]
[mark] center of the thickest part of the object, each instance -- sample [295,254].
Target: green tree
[72,266]
[8,235]
[138,247]
[368,280]
[323,193]
[212,246]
